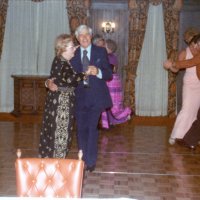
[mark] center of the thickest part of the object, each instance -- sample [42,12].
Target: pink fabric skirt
[118,113]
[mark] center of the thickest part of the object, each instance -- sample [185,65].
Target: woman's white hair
[82,29]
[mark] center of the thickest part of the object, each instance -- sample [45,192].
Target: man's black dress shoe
[183,143]
[90,169]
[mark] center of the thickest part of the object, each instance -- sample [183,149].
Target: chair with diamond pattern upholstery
[49,177]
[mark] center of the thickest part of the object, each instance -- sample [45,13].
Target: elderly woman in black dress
[56,131]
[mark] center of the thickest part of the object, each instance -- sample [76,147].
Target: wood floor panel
[134,161]
[141,186]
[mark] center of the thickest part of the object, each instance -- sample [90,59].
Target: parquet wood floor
[134,160]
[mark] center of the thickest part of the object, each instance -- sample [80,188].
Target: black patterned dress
[57,124]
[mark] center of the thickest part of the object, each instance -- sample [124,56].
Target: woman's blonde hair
[190,33]
[61,42]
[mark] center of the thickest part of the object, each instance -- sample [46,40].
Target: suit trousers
[87,133]
[192,137]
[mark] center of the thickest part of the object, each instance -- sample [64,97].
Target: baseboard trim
[20,118]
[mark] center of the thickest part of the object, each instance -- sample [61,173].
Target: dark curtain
[137,24]
[138,10]
[78,13]
[171,21]
[3,12]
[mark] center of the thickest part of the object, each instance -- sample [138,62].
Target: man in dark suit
[92,95]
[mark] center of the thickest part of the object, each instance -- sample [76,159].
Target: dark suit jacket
[97,95]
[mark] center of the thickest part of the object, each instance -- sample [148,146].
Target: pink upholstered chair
[49,177]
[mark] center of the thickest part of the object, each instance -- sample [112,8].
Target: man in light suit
[92,95]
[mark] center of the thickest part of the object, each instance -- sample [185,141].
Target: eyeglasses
[70,47]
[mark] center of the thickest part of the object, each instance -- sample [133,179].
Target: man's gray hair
[83,29]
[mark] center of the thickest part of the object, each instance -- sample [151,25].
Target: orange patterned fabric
[171,22]
[137,24]
[78,12]
[3,12]
[37,0]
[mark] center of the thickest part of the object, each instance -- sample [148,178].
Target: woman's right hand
[92,70]
[51,85]
[169,65]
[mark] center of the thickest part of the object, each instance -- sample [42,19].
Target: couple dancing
[187,125]
[76,89]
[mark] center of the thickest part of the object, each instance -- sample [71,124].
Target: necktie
[86,63]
